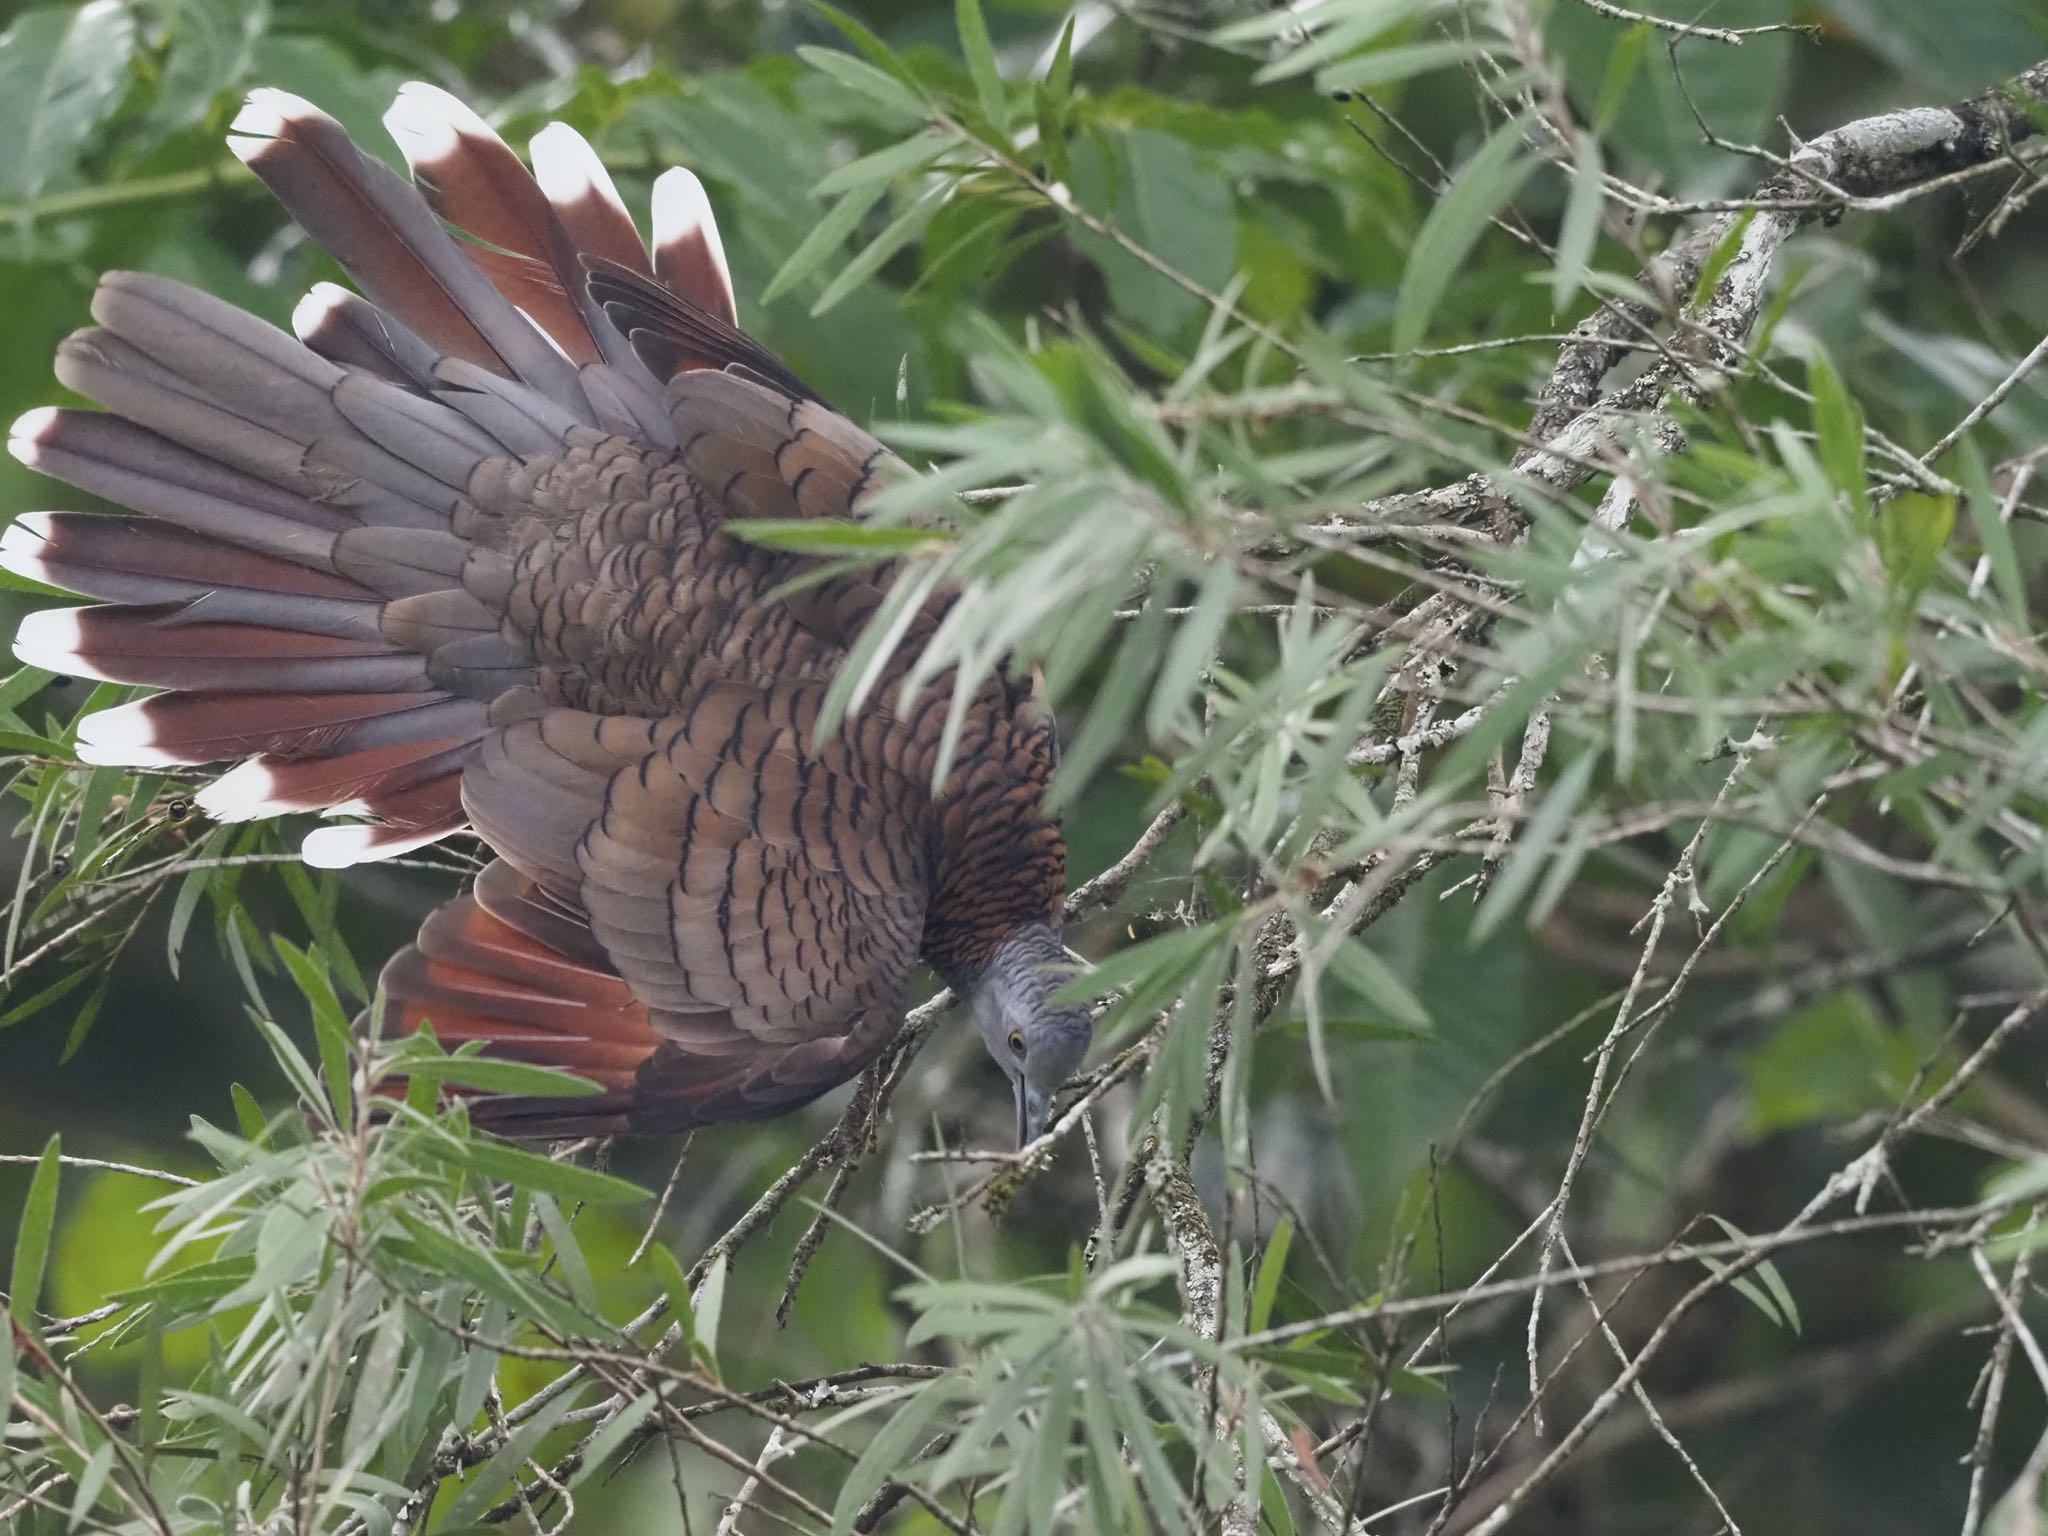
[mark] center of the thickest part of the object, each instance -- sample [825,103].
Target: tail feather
[389,241]
[688,255]
[401,562]
[125,463]
[354,782]
[479,972]
[348,329]
[580,189]
[476,183]
[301,576]
[520,418]
[159,647]
[221,727]
[673,334]
[139,560]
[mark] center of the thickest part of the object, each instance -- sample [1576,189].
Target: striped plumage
[456,556]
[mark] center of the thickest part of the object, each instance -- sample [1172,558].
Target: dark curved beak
[1031,1108]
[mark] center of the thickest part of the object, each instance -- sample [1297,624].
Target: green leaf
[20,685]
[480,1490]
[824,240]
[1053,100]
[569,1260]
[1165,196]
[529,1170]
[1994,534]
[249,1116]
[62,71]
[211,48]
[1719,259]
[46,997]
[617,1433]
[32,1235]
[92,1481]
[1623,61]
[297,1070]
[487,1275]
[190,889]
[1580,231]
[1764,1285]
[884,165]
[705,1311]
[900,231]
[1483,186]
[330,1024]
[1353,25]
[1384,66]
[1838,423]
[676,1286]
[888,1454]
[1373,981]
[1912,531]
[882,87]
[877,52]
[494,1076]
[1533,844]
[1272,1266]
[981,60]
[6,1368]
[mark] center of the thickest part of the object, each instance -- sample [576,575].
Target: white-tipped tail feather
[243,793]
[122,737]
[30,429]
[49,638]
[687,250]
[569,170]
[317,308]
[296,499]
[362,842]
[23,546]
[424,122]
[266,115]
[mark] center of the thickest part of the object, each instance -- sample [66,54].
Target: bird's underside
[457,556]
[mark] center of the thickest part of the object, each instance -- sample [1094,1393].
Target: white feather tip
[267,113]
[49,638]
[30,431]
[425,122]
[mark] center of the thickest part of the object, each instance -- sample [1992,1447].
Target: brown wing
[738,912]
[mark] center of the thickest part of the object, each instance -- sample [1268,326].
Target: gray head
[1037,1043]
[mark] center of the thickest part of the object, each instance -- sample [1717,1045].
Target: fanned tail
[296,579]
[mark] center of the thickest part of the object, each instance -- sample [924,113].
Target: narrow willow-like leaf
[1533,844]
[981,61]
[903,229]
[1580,231]
[1482,187]
[888,1454]
[483,1486]
[32,1234]
[825,239]
[531,1171]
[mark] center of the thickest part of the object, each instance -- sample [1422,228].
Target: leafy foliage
[1530,844]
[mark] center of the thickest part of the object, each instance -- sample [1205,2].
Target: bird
[454,553]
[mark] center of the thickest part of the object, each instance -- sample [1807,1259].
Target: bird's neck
[999,861]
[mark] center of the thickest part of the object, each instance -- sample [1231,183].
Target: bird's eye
[1017,1043]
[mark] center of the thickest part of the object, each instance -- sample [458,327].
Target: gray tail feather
[296,579]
